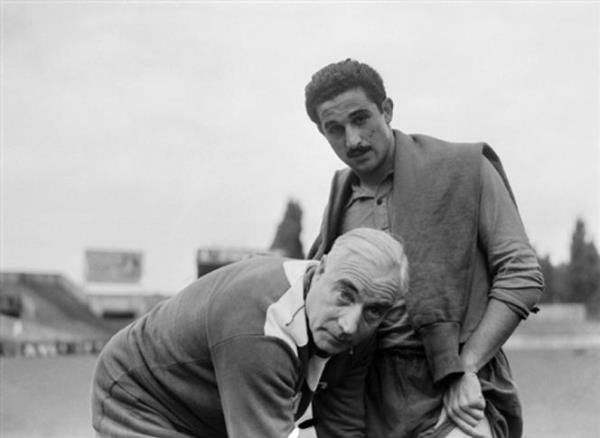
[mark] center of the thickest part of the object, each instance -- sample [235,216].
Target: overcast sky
[163,127]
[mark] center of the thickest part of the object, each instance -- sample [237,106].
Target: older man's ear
[322,263]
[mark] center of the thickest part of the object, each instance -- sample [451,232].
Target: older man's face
[341,311]
[359,133]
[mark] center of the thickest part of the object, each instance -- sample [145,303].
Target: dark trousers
[403,402]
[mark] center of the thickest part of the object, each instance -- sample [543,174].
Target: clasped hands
[464,404]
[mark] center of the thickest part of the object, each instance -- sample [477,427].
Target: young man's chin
[363,167]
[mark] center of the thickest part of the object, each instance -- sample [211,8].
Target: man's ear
[321,267]
[388,110]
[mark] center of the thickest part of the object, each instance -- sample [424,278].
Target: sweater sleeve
[257,378]
[516,275]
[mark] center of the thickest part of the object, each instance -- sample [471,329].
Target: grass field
[49,397]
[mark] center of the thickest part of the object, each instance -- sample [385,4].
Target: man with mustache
[239,353]
[439,370]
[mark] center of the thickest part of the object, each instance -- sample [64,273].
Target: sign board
[103,266]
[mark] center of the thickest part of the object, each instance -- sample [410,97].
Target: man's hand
[464,403]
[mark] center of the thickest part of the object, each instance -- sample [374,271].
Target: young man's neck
[371,183]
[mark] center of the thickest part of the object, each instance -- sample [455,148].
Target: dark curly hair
[339,77]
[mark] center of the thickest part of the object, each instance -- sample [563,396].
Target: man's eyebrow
[347,284]
[330,123]
[377,300]
[360,112]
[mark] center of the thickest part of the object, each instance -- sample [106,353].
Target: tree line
[578,280]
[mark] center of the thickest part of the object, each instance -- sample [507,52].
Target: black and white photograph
[303,219]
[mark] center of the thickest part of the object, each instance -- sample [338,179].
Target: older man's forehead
[370,292]
[377,297]
[354,265]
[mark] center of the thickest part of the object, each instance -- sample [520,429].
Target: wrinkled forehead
[371,280]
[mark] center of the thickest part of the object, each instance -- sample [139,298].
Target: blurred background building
[44,314]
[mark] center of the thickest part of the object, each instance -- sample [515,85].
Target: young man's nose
[352,137]
[349,320]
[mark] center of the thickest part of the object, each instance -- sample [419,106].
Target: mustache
[357,151]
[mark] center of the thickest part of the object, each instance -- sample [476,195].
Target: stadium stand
[48,310]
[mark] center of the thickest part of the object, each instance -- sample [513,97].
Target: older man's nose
[350,320]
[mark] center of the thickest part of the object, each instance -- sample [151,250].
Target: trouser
[403,402]
[118,413]
[120,409]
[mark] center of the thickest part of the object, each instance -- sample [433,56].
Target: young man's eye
[360,119]
[335,130]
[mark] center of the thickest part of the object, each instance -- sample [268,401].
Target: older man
[439,368]
[239,353]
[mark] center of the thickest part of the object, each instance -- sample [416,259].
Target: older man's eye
[346,296]
[374,313]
